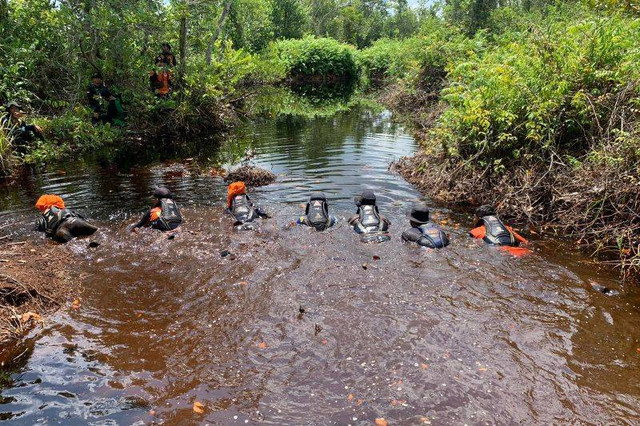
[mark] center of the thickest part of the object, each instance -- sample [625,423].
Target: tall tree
[216,32]
[289,18]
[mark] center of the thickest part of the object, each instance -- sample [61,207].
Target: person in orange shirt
[164,215]
[492,230]
[161,79]
[60,223]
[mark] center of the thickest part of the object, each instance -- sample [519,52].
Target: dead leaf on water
[262,345]
[76,303]
[424,366]
[381,422]
[350,397]
[198,407]
[482,369]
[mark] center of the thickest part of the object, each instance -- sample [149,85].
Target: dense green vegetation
[528,104]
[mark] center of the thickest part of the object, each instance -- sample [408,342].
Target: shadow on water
[299,327]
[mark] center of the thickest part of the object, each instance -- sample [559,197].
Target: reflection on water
[299,327]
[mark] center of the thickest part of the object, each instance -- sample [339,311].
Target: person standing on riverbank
[60,223]
[164,215]
[161,77]
[17,130]
[106,107]
[422,232]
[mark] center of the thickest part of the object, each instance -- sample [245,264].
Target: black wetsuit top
[170,216]
[496,232]
[244,211]
[427,235]
[95,94]
[369,220]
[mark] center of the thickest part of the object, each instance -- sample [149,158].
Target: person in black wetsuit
[17,130]
[164,215]
[368,221]
[240,206]
[492,230]
[317,213]
[60,223]
[422,232]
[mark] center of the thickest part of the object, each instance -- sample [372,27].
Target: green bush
[415,60]
[550,88]
[316,57]
[70,134]
[389,58]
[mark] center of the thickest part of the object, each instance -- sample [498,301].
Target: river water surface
[299,327]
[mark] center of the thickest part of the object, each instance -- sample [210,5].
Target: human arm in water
[146,218]
[261,212]
[412,235]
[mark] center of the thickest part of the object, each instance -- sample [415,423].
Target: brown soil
[35,280]
[251,176]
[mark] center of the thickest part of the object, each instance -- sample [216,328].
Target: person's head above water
[368,198]
[162,192]
[486,210]
[419,214]
[46,201]
[166,47]
[235,189]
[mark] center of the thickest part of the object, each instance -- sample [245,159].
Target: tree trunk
[182,49]
[216,34]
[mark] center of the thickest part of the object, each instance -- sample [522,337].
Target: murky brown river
[466,335]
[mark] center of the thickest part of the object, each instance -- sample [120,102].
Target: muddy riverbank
[36,279]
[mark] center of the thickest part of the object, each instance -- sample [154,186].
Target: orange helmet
[236,188]
[46,201]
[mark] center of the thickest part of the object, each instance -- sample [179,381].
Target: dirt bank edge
[36,279]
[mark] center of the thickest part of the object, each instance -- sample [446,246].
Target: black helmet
[486,210]
[368,198]
[162,192]
[318,196]
[419,214]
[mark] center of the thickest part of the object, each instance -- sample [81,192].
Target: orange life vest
[163,81]
[155,213]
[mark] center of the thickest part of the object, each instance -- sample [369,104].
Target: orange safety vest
[155,214]
[163,78]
